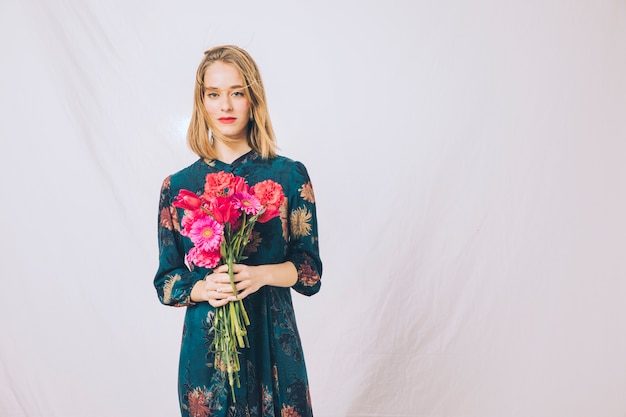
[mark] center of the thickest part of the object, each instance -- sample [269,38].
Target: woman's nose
[225,103]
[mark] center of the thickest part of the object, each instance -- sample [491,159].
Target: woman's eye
[211,95]
[238,93]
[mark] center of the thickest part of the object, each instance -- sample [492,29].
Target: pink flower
[247,203]
[223,184]
[190,218]
[223,210]
[270,194]
[202,258]
[187,200]
[206,234]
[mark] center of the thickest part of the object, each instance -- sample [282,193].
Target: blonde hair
[260,133]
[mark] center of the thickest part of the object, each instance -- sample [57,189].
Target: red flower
[271,196]
[223,184]
[187,200]
[223,210]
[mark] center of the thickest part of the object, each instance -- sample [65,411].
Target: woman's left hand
[248,280]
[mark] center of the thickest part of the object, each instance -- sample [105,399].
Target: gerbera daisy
[247,203]
[206,234]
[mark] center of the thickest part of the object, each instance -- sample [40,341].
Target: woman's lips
[227,120]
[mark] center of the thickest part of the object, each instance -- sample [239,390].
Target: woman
[231,132]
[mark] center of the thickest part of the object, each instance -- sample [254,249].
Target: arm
[303,233]
[173,280]
[249,279]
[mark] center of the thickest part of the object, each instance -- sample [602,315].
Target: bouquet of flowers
[219,222]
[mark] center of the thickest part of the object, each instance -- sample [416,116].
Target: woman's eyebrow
[232,87]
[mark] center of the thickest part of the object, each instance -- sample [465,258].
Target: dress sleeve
[173,280]
[303,243]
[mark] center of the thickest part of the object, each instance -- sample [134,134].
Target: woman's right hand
[212,291]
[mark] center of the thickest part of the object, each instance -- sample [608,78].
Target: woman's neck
[228,152]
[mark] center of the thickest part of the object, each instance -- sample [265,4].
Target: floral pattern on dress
[306,192]
[301,222]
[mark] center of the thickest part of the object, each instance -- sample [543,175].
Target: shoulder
[189,178]
[183,177]
[294,178]
[292,166]
[277,168]
[189,170]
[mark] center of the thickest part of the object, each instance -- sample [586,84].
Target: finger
[239,288]
[216,298]
[241,275]
[224,290]
[219,303]
[219,278]
[240,295]
[239,268]
[212,284]
[221,269]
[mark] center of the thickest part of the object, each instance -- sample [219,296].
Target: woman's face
[225,100]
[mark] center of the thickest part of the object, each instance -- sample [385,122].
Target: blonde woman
[231,132]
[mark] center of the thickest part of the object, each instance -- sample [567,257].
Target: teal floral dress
[273,373]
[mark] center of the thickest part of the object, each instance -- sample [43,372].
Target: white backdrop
[469,163]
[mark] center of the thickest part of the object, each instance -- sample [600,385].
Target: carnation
[223,184]
[270,194]
[202,258]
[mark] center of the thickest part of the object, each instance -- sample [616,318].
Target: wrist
[193,295]
[280,275]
